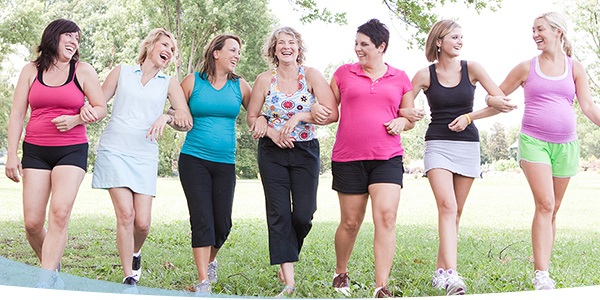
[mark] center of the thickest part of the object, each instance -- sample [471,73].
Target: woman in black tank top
[452,140]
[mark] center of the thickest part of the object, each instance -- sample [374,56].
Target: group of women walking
[373,101]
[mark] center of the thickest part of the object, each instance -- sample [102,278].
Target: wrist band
[468,118]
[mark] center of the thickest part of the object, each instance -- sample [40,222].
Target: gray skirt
[113,169]
[455,156]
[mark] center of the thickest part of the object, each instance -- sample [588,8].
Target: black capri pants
[289,173]
[208,188]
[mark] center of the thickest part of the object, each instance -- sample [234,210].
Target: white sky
[498,40]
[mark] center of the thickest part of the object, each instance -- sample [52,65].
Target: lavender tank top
[549,114]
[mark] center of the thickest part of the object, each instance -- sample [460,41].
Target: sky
[497,40]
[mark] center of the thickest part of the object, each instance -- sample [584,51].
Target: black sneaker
[136,267]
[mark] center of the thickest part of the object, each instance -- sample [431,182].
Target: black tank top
[448,103]
[72,76]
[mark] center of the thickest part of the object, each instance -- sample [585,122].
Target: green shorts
[563,158]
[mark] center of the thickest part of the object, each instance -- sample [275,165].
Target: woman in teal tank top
[207,159]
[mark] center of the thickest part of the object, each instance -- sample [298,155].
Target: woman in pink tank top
[548,148]
[55,145]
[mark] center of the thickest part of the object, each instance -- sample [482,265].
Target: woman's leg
[385,198]
[66,180]
[352,214]
[36,194]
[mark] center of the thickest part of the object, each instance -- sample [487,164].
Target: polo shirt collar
[138,69]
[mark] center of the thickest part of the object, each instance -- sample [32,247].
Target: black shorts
[48,157]
[354,177]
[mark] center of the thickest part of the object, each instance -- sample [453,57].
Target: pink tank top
[549,114]
[49,102]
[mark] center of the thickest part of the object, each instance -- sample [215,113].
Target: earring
[439,50]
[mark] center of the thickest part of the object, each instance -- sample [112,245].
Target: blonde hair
[557,21]
[269,49]
[437,32]
[147,44]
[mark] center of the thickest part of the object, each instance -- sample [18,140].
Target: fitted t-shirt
[549,114]
[447,103]
[213,136]
[49,102]
[365,105]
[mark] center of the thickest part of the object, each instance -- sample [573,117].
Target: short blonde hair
[269,48]
[147,44]
[437,32]
[557,21]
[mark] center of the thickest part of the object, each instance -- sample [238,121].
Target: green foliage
[418,15]
[311,12]
[497,146]
[413,141]
[505,165]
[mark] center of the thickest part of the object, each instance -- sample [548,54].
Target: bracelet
[263,115]
[487,97]
[468,118]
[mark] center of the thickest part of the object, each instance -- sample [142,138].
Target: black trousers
[290,178]
[208,187]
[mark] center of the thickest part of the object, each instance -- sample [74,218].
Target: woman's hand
[13,168]
[319,113]
[182,119]
[289,126]
[460,123]
[259,128]
[500,103]
[281,140]
[65,122]
[158,127]
[395,126]
[412,114]
[88,114]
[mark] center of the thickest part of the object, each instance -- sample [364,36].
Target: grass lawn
[494,240]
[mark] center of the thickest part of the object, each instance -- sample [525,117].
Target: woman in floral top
[288,150]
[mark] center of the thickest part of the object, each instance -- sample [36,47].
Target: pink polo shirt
[365,105]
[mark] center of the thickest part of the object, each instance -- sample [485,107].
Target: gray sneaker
[202,288]
[212,271]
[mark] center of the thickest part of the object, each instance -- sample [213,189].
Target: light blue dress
[126,158]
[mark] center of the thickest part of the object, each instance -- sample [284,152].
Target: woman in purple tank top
[548,153]
[55,144]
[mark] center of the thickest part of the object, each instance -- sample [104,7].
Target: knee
[34,227]
[448,207]
[142,226]
[387,220]
[350,225]
[60,216]
[545,207]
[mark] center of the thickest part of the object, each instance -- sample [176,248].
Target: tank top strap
[433,80]
[464,72]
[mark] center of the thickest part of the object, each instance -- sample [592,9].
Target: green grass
[494,241]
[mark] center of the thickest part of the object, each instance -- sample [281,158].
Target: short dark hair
[48,48]
[376,31]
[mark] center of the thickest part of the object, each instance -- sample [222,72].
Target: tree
[497,147]
[585,15]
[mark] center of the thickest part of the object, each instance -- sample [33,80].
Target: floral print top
[280,107]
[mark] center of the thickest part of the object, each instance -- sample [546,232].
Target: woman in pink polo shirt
[367,154]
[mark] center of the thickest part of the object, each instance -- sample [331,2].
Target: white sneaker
[212,271]
[542,281]
[202,288]
[439,279]
[454,284]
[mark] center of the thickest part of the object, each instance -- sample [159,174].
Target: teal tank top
[213,136]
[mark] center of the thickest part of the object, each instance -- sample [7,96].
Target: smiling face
[286,48]
[544,36]
[162,52]
[228,57]
[366,51]
[451,43]
[68,43]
